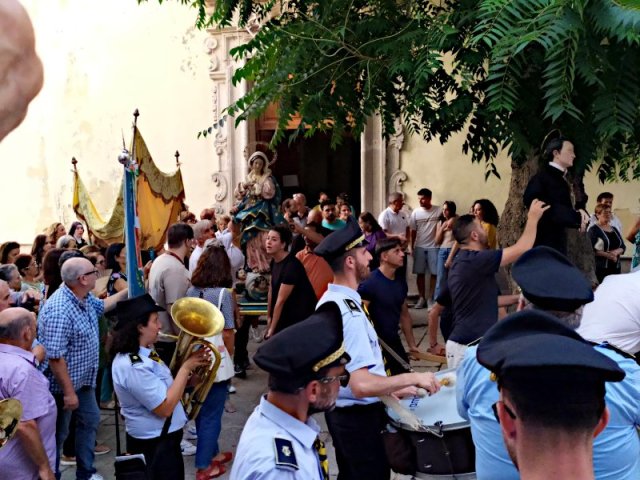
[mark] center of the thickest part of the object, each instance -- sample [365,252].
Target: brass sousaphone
[10,415]
[197,319]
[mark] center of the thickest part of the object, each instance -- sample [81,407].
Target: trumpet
[197,319]
[10,414]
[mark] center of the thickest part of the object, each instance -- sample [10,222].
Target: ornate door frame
[379,158]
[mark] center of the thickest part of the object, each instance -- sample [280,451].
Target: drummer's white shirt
[357,330]
[614,314]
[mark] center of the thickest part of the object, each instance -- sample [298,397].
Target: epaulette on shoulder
[135,358]
[352,305]
[285,455]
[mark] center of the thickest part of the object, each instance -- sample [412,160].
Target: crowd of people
[561,400]
[71,342]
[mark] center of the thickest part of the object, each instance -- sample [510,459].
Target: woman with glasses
[607,242]
[30,272]
[211,280]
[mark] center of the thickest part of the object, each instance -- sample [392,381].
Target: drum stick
[429,357]
[447,381]
[406,417]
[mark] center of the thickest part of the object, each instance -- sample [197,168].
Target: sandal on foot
[214,470]
[222,457]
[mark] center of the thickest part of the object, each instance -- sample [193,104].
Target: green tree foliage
[509,71]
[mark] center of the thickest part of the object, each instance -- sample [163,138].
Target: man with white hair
[202,231]
[68,328]
[32,454]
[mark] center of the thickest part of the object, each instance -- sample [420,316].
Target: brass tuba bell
[197,319]
[10,415]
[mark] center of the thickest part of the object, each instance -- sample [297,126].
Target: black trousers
[241,354]
[162,455]
[357,437]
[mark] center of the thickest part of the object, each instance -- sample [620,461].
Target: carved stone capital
[396,180]
[220,181]
[220,143]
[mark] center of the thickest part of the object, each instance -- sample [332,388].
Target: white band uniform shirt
[141,385]
[357,328]
[273,436]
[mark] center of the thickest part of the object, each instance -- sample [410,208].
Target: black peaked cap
[532,339]
[550,281]
[297,353]
[134,308]
[341,241]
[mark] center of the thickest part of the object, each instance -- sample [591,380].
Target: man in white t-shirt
[394,222]
[202,231]
[614,315]
[423,222]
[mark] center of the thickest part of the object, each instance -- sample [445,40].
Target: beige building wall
[451,176]
[102,60]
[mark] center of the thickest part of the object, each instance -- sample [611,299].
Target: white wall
[102,60]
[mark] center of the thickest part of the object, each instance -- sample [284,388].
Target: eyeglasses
[343,379]
[92,272]
[510,412]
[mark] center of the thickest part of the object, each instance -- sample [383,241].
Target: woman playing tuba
[149,396]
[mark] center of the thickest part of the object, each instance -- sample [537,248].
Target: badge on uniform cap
[285,456]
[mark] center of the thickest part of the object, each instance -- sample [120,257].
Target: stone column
[372,167]
[229,141]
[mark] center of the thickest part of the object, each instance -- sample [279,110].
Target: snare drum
[445,450]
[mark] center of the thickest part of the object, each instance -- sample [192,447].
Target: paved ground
[244,401]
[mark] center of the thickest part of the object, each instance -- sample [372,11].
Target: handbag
[132,466]
[226,369]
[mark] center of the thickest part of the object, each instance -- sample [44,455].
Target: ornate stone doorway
[373,164]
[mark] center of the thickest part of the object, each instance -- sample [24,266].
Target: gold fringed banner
[159,197]
[101,232]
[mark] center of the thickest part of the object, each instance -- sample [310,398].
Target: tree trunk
[579,248]
[514,217]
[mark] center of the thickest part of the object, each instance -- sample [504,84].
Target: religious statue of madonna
[258,210]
